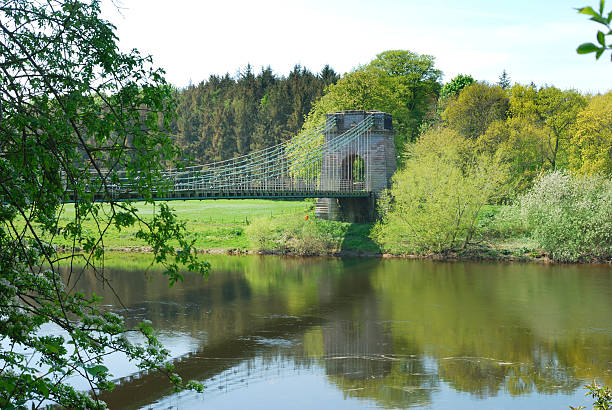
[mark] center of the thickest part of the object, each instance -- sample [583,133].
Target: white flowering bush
[570,217]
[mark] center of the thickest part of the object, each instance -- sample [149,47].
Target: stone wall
[378,153]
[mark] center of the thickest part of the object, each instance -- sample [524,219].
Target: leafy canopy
[591,143]
[553,111]
[454,86]
[477,106]
[527,128]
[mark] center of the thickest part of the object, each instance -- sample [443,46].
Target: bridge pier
[358,209]
[370,162]
[347,209]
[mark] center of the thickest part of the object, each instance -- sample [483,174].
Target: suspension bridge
[348,160]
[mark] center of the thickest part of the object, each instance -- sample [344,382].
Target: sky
[533,40]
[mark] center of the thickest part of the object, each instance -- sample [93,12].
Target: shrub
[602,396]
[570,217]
[507,223]
[294,235]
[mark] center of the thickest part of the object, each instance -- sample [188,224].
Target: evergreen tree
[504,80]
[225,117]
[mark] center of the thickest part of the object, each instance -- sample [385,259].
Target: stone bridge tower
[371,161]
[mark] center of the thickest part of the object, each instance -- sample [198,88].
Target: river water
[277,333]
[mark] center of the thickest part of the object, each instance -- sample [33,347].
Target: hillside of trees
[526,128]
[227,116]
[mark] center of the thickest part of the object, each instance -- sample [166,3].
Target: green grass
[222,225]
[215,224]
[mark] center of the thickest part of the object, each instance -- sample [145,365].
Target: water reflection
[390,333]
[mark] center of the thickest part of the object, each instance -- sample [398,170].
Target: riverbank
[482,255]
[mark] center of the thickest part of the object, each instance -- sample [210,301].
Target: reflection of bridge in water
[347,161]
[229,362]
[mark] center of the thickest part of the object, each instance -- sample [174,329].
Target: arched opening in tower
[353,172]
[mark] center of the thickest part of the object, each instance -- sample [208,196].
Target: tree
[75,115]
[433,204]
[224,117]
[598,17]
[400,82]
[454,86]
[521,146]
[504,80]
[477,106]
[591,143]
[554,111]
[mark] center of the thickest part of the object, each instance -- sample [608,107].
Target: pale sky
[534,40]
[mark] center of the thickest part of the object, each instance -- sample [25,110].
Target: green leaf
[610,18]
[588,11]
[599,19]
[96,370]
[601,6]
[599,53]
[587,48]
[601,38]
[44,389]
[52,348]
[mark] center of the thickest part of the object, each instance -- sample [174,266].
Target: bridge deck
[241,194]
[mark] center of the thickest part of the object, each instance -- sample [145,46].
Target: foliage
[476,107]
[602,396]
[506,223]
[598,17]
[296,235]
[591,143]
[435,200]
[504,80]
[552,110]
[454,86]
[520,144]
[75,111]
[570,217]
[400,82]
[225,117]
[537,134]
[299,236]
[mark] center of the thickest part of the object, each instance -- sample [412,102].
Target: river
[276,333]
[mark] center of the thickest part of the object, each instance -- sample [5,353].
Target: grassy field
[215,224]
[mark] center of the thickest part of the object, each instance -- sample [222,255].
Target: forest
[226,116]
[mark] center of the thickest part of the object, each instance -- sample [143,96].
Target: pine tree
[504,80]
[223,117]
